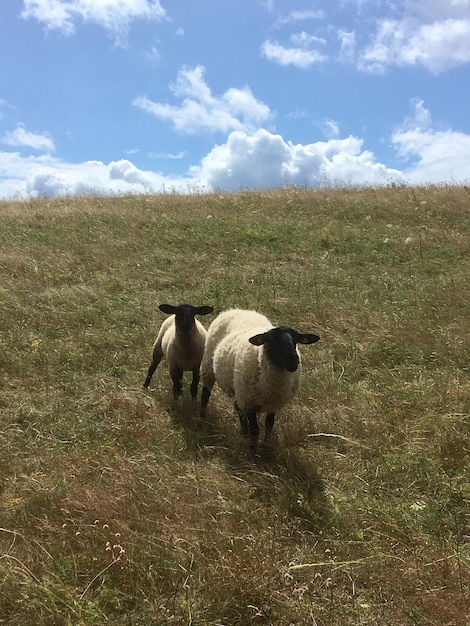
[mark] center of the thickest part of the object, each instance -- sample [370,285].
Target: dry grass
[117,507]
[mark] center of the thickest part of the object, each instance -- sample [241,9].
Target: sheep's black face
[184,319]
[185,314]
[280,346]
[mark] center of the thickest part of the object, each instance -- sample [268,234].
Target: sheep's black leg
[150,373]
[156,358]
[243,421]
[205,395]
[177,378]
[244,425]
[269,425]
[194,383]
[254,430]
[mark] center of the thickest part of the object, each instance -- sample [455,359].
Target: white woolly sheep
[253,361]
[181,341]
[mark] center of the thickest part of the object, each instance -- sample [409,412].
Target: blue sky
[114,96]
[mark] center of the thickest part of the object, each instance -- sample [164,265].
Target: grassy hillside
[118,508]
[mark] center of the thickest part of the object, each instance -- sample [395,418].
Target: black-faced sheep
[181,341]
[253,361]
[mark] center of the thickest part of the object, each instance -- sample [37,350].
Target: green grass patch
[116,506]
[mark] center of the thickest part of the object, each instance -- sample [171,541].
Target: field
[119,507]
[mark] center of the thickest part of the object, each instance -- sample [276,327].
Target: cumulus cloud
[113,15]
[201,112]
[20,137]
[44,175]
[303,54]
[47,182]
[434,35]
[263,159]
[431,155]
[59,179]
[431,34]
[256,159]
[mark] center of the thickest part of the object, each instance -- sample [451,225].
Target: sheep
[181,341]
[256,363]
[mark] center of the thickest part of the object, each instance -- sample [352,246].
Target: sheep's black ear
[169,309]
[307,338]
[258,340]
[203,310]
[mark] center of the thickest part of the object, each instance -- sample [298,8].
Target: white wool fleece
[242,369]
[185,355]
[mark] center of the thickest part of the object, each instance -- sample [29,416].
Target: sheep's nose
[292,363]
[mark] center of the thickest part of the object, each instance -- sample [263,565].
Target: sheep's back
[233,354]
[234,321]
[228,322]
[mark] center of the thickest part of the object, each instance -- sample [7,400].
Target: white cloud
[263,159]
[44,175]
[5,106]
[202,112]
[20,137]
[431,34]
[305,40]
[330,128]
[153,55]
[114,15]
[297,114]
[420,119]
[347,52]
[128,172]
[437,156]
[300,16]
[257,159]
[435,10]
[167,155]
[55,14]
[302,55]
[190,82]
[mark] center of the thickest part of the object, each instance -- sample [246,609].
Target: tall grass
[118,507]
